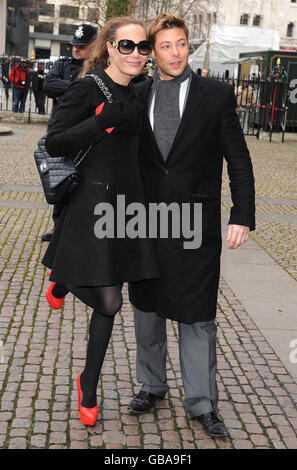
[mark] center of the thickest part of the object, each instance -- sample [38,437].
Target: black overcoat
[209,130]
[75,253]
[59,77]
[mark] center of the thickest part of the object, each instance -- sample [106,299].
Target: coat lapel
[194,100]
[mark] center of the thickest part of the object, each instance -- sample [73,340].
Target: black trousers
[40,101]
[57,210]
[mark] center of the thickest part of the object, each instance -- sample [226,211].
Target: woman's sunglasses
[126,46]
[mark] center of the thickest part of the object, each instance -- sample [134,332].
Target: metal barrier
[261,104]
[21,85]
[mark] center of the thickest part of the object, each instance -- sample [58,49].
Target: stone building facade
[3,21]
[14,35]
[280,15]
[46,26]
[54,22]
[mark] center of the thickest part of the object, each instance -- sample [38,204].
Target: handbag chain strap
[82,154]
[102,87]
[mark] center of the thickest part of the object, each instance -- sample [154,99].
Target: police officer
[59,77]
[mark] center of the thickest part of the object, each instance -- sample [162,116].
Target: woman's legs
[99,334]
[106,301]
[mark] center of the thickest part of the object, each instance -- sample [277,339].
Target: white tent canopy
[227,42]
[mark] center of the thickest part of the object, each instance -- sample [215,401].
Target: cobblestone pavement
[44,350]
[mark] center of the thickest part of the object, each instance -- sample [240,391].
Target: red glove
[98,111]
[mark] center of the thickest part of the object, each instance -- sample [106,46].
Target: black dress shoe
[45,237]
[143,402]
[212,425]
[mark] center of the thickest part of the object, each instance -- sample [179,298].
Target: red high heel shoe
[88,416]
[54,302]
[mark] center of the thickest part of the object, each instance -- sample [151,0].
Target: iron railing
[261,104]
[30,79]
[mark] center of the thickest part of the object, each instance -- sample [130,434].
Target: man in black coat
[6,68]
[63,72]
[190,125]
[38,88]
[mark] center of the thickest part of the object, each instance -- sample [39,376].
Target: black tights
[99,334]
[106,302]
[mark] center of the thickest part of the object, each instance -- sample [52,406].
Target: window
[200,25]
[47,10]
[65,49]
[257,20]
[44,28]
[290,30]
[208,23]
[67,29]
[244,19]
[195,22]
[69,12]
[93,15]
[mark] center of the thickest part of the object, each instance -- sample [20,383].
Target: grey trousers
[197,350]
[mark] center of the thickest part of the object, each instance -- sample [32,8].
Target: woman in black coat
[81,261]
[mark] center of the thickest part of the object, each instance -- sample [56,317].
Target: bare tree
[100,11]
[93,11]
[119,8]
[199,14]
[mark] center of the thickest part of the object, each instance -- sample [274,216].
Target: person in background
[63,72]
[19,77]
[150,73]
[202,73]
[246,98]
[38,88]
[6,68]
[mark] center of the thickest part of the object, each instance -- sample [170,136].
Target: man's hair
[166,21]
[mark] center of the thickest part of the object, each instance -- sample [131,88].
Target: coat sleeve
[239,165]
[55,85]
[74,127]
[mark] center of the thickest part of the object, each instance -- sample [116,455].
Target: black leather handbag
[60,175]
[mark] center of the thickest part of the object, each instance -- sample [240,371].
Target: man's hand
[237,235]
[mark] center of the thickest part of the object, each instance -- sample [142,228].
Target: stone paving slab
[9,117]
[269,295]
[44,350]
[5,130]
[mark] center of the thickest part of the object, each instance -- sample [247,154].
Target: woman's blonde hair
[99,52]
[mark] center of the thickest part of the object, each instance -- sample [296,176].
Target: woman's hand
[111,115]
